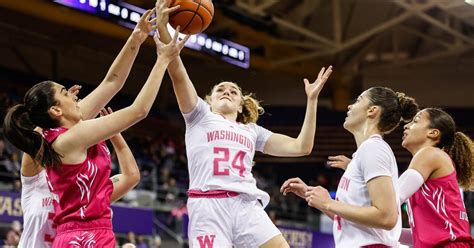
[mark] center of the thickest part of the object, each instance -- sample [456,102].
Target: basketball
[193,16]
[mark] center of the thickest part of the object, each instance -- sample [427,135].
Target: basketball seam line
[195,12]
[180,11]
[208,10]
[187,10]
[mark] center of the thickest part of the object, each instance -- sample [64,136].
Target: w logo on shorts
[206,241]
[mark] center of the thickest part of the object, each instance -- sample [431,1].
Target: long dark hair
[396,107]
[458,145]
[22,119]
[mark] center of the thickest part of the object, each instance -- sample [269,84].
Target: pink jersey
[84,189]
[437,213]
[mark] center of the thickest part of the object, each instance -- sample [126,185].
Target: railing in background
[175,236]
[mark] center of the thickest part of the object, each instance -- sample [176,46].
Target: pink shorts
[87,234]
[459,244]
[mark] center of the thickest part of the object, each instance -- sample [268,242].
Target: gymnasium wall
[448,83]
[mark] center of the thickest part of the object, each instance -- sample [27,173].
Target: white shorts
[228,222]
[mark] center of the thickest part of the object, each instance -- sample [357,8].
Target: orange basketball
[193,16]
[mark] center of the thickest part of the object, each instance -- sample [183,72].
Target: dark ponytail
[462,153]
[21,120]
[396,107]
[408,107]
[458,145]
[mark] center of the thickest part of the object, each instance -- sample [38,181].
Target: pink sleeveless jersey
[437,213]
[84,189]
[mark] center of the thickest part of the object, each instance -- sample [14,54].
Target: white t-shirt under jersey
[220,152]
[372,159]
[38,211]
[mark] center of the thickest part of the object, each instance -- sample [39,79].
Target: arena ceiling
[348,33]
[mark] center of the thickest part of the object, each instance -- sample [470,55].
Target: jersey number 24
[222,156]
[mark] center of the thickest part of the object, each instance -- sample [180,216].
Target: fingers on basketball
[194,16]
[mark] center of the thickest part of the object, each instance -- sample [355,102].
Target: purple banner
[125,219]
[10,207]
[306,238]
[138,220]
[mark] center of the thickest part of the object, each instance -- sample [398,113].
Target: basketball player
[71,147]
[442,158]
[37,199]
[225,207]
[366,209]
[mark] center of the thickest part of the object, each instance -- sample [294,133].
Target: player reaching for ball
[225,207]
[71,146]
[37,200]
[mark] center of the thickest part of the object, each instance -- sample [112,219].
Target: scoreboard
[127,15]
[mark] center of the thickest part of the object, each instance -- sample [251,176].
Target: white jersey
[373,158]
[220,152]
[38,212]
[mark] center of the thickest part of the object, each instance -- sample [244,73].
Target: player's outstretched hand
[339,161]
[106,111]
[313,89]
[144,26]
[295,186]
[74,89]
[162,11]
[170,51]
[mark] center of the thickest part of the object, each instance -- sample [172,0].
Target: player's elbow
[304,147]
[140,112]
[389,221]
[134,178]
[114,82]
[306,150]
[389,225]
